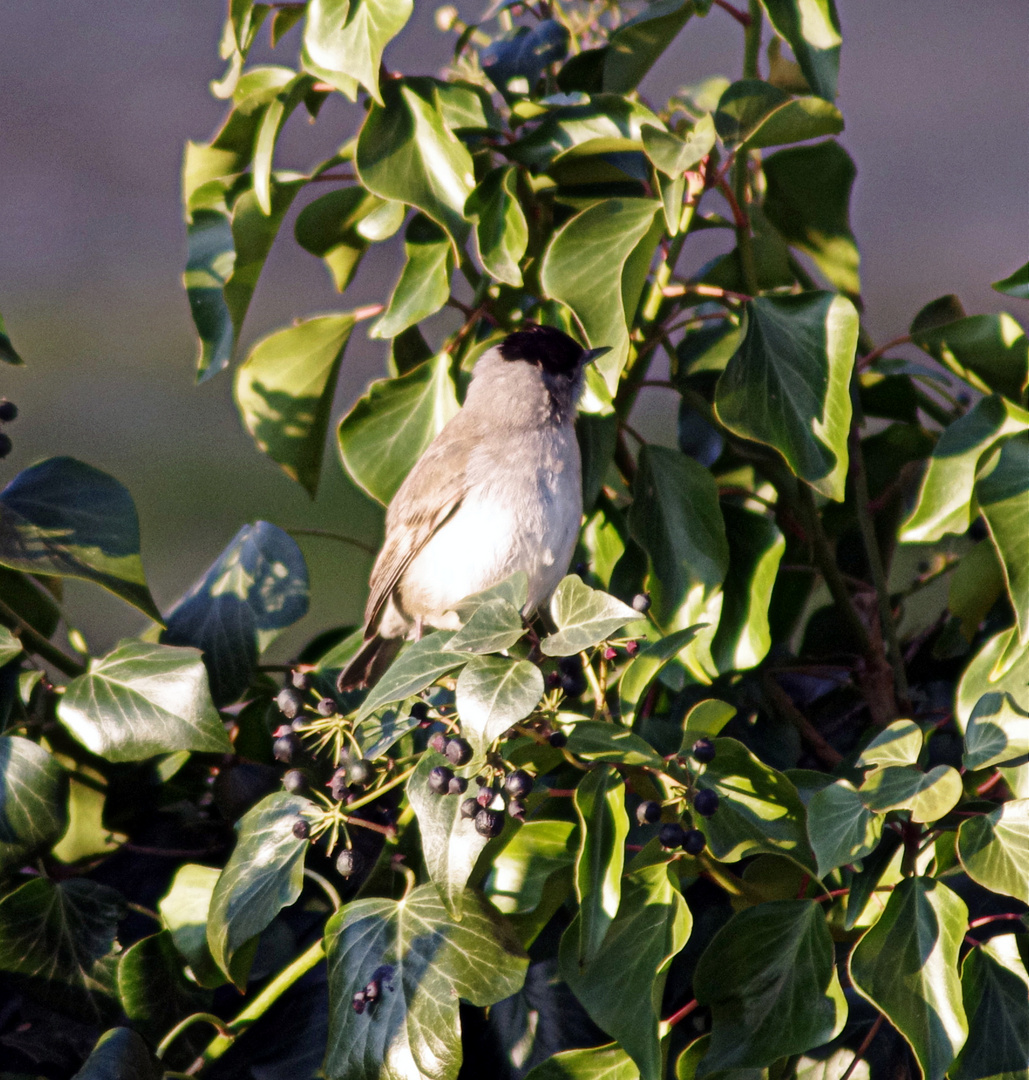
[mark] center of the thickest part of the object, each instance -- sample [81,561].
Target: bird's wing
[431,493]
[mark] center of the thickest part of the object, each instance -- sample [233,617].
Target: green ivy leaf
[622,986]
[812,31]
[840,828]
[407,153]
[991,352]
[676,518]
[424,284]
[388,428]
[758,809]
[597,265]
[515,60]
[66,518]
[264,874]
[1003,496]
[898,743]
[672,155]
[906,965]
[344,41]
[597,1063]
[600,806]
[501,231]
[57,941]
[522,868]
[33,800]
[493,693]
[782,998]
[704,721]
[378,734]
[808,200]
[419,666]
[184,909]
[7,351]
[995,991]
[1015,284]
[644,668]
[928,795]
[597,740]
[752,114]
[994,849]
[493,626]
[255,589]
[997,732]
[284,393]
[688,1066]
[10,646]
[278,111]
[788,384]
[120,1054]
[945,500]
[141,700]
[635,46]
[424,962]
[584,617]
[330,227]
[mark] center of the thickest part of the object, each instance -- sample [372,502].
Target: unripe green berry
[349,862]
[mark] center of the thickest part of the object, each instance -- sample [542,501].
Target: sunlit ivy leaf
[514,590]
[275,116]
[141,700]
[515,60]
[644,667]
[520,871]
[501,231]
[344,41]
[704,721]
[10,646]
[66,518]
[1015,284]
[1003,496]
[752,114]
[758,809]
[424,283]
[945,500]
[808,200]
[184,909]
[284,393]
[673,155]
[378,734]
[450,843]
[388,428]
[898,743]
[634,47]
[995,991]
[596,1063]
[407,153]
[812,30]
[989,351]
[7,351]
[597,264]
[33,800]
[494,692]
[264,874]
[788,385]
[255,589]
[840,828]
[622,986]
[687,1067]
[493,626]
[994,849]
[906,965]
[997,732]
[424,962]
[780,999]
[1000,667]
[328,228]
[420,665]
[600,806]
[928,795]
[120,1054]
[584,617]
[57,942]
[676,518]
[597,740]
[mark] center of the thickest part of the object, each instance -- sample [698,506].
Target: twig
[326,534]
[869,359]
[33,641]
[984,919]
[196,1018]
[740,16]
[783,704]
[632,431]
[862,1049]
[681,1014]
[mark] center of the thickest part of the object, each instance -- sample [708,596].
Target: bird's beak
[594,354]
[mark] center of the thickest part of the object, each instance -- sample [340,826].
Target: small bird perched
[498,490]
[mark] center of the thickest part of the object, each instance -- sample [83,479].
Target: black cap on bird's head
[548,348]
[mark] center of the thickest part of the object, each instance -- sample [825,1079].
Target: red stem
[682,1013]
[870,358]
[740,16]
[983,920]
[861,1050]
[739,218]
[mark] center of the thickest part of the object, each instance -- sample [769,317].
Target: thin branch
[740,16]
[863,1048]
[869,359]
[681,1014]
[326,534]
[327,177]
[983,920]
[34,642]
[783,704]
[635,434]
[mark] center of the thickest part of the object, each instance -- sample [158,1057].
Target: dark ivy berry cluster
[674,834]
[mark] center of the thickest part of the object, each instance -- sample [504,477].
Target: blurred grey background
[97,98]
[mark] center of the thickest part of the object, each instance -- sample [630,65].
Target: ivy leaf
[57,941]
[782,998]
[995,992]
[898,743]
[142,700]
[584,617]
[493,693]
[264,874]
[808,200]
[7,351]
[378,734]
[424,962]
[65,518]
[840,828]
[424,284]
[120,1054]
[997,732]
[788,384]
[945,500]
[758,809]
[10,646]
[600,806]
[344,41]
[994,849]
[277,112]
[704,721]
[450,843]
[1015,284]
[597,264]
[752,114]
[596,740]
[929,796]
[635,46]
[644,667]
[991,352]
[255,589]
[522,868]
[284,393]
[184,909]
[514,61]
[1003,496]
[813,33]
[501,231]
[419,666]
[622,986]
[331,228]
[493,626]
[388,428]
[676,518]
[596,1063]
[514,590]
[906,965]
[407,153]
[672,155]
[33,800]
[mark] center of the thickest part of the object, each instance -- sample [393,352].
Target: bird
[499,490]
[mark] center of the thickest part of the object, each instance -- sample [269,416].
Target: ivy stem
[784,705]
[326,887]
[869,359]
[33,641]
[740,16]
[373,795]
[863,1048]
[259,1006]
[207,1018]
[752,40]
[984,919]
[327,534]
[681,1014]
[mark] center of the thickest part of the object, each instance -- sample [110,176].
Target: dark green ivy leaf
[417,667]
[752,114]
[597,1063]
[1015,284]
[812,30]
[120,1054]
[501,231]
[424,284]
[330,227]
[584,617]
[515,60]
[994,849]
[7,351]
[635,46]
[990,352]
[33,800]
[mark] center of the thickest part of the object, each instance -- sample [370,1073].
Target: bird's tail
[368,664]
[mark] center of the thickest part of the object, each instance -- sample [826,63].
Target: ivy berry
[704,751]
[648,812]
[458,751]
[694,842]
[439,780]
[349,862]
[489,823]
[672,835]
[518,784]
[705,802]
